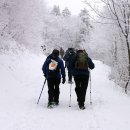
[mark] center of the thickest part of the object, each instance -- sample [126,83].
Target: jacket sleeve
[90,64]
[44,67]
[72,64]
[65,56]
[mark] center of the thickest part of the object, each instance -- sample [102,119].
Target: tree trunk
[128,49]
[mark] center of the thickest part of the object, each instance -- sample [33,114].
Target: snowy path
[21,82]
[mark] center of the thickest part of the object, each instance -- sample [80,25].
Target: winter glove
[63,80]
[45,76]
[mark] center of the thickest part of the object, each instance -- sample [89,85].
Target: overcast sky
[73,5]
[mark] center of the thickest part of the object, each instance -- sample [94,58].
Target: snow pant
[81,83]
[53,90]
[69,75]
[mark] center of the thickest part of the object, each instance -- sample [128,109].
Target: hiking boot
[70,82]
[56,103]
[82,107]
[50,105]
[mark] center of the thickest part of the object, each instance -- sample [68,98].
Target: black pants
[69,75]
[53,89]
[81,88]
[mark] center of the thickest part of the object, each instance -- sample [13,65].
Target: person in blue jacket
[54,71]
[81,76]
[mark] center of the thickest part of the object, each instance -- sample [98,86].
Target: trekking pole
[41,91]
[70,95]
[90,89]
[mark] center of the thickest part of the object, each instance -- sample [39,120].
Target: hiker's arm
[62,69]
[63,72]
[73,59]
[65,56]
[44,67]
[90,64]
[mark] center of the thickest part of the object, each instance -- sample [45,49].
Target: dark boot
[81,106]
[56,103]
[50,105]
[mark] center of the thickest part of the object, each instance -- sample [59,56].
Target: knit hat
[55,53]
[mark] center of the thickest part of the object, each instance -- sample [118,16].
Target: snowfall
[21,81]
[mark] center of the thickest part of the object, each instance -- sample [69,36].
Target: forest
[105,35]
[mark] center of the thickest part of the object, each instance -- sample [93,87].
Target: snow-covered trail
[21,82]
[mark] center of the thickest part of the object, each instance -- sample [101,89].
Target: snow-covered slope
[21,81]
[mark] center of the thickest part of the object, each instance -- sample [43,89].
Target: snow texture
[21,81]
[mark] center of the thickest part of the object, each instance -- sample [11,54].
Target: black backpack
[81,60]
[69,54]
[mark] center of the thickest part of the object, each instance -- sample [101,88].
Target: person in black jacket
[53,69]
[69,55]
[81,77]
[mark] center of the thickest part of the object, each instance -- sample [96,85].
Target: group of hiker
[77,63]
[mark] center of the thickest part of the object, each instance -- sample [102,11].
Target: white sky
[73,5]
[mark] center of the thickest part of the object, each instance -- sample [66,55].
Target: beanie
[55,53]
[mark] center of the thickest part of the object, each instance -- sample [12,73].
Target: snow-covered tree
[66,12]
[56,10]
[23,21]
[116,13]
[58,32]
[84,30]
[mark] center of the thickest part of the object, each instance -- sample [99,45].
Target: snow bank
[10,47]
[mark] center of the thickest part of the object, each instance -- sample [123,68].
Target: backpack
[53,70]
[68,55]
[81,60]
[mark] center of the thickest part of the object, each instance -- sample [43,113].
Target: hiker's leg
[84,85]
[69,75]
[56,90]
[77,88]
[50,90]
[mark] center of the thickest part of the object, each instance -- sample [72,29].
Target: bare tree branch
[118,21]
[97,11]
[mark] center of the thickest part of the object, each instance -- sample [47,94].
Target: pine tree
[66,12]
[84,30]
[85,22]
[56,10]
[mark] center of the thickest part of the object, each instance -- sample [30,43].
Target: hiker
[80,69]
[69,54]
[53,69]
[61,52]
